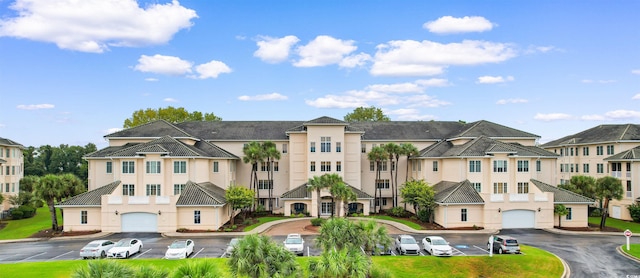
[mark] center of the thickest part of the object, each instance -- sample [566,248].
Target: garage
[518,219]
[139,222]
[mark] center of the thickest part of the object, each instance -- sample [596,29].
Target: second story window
[435,166]
[585,151]
[216,167]
[109,167]
[128,167]
[338,147]
[179,167]
[285,148]
[538,165]
[610,149]
[313,166]
[499,166]
[153,190]
[325,166]
[363,148]
[523,187]
[474,166]
[178,188]
[339,166]
[312,147]
[153,167]
[599,150]
[523,166]
[325,144]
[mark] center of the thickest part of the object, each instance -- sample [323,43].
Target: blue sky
[73,71]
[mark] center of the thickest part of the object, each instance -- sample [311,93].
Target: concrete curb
[62,238]
[567,270]
[621,252]
[565,232]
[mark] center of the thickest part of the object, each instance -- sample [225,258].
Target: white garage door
[139,222]
[514,219]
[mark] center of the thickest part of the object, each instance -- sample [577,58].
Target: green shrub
[596,213]
[198,269]
[27,211]
[247,221]
[147,271]
[397,212]
[181,230]
[318,221]
[379,272]
[423,215]
[38,203]
[16,214]
[260,211]
[634,210]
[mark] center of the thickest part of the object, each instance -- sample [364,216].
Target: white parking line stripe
[9,257]
[59,256]
[196,254]
[485,250]
[223,254]
[140,254]
[27,258]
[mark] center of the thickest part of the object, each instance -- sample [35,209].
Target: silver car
[407,245]
[96,249]
[294,243]
[504,244]
[232,244]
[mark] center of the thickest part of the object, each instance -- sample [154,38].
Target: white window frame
[154,167]
[180,166]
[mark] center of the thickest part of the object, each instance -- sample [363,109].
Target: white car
[294,243]
[96,249]
[407,245]
[125,248]
[179,249]
[232,244]
[437,246]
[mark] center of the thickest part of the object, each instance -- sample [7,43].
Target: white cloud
[512,100]
[493,79]
[35,106]
[636,71]
[212,69]
[552,117]
[637,96]
[150,79]
[162,64]
[272,96]
[397,88]
[275,50]
[622,114]
[322,51]
[415,58]
[334,101]
[409,115]
[425,101]
[170,99]
[449,25]
[112,130]
[593,118]
[96,25]
[353,61]
[589,81]
[433,82]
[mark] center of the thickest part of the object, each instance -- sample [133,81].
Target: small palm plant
[198,269]
[103,268]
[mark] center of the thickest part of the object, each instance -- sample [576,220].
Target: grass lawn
[262,220]
[413,225]
[634,249]
[536,263]
[23,228]
[617,223]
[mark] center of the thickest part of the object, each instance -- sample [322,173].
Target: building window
[523,187]
[128,190]
[338,166]
[629,189]
[313,147]
[83,217]
[435,166]
[499,166]
[264,167]
[153,167]
[232,167]
[569,214]
[384,202]
[599,168]
[538,165]
[6,185]
[372,166]
[7,172]
[196,217]
[585,168]
[128,167]
[338,147]
[382,184]
[463,215]
[153,190]
[628,167]
[265,184]
[178,188]
[216,167]
[179,167]
[499,187]
[383,166]
[276,166]
[109,167]
[599,150]
[1,186]
[325,166]
[477,186]
[474,166]
[325,144]
[585,151]
[610,149]
[523,166]
[363,148]
[285,148]
[571,153]
[13,170]
[313,166]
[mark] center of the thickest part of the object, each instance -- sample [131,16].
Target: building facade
[604,150]
[163,177]
[11,170]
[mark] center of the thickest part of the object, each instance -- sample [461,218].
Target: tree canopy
[62,159]
[607,189]
[169,114]
[239,197]
[366,114]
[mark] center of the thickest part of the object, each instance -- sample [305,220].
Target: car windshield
[122,243]
[178,244]
[438,242]
[512,242]
[407,240]
[294,240]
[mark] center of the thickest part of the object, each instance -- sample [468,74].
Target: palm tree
[377,154]
[339,233]
[373,235]
[271,153]
[393,150]
[561,211]
[197,269]
[253,155]
[344,263]
[343,194]
[71,186]
[317,183]
[103,268]
[409,150]
[49,190]
[332,180]
[258,256]
[608,188]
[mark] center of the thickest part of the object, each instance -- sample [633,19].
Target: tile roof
[482,146]
[599,134]
[486,128]
[201,194]
[562,196]
[325,120]
[240,130]
[164,145]
[91,198]
[448,192]
[632,154]
[151,130]
[301,192]
[10,143]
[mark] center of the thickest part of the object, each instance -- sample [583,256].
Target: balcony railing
[497,197]
[518,197]
[616,174]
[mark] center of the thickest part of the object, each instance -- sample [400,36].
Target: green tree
[339,233]
[58,160]
[49,190]
[561,211]
[253,155]
[25,196]
[420,195]
[71,186]
[373,235]
[409,150]
[343,194]
[238,197]
[343,263]
[317,183]
[377,155]
[197,269]
[258,256]
[366,114]
[271,153]
[607,188]
[583,185]
[169,114]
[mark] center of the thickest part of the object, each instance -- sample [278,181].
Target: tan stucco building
[11,170]
[161,177]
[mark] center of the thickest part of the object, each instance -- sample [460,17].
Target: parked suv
[504,244]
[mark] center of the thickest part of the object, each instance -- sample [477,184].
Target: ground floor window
[299,207]
[569,216]
[523,187]
[83,217]
[196,217]
[463,215]
[326,208]
[384,202]
[153,190]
